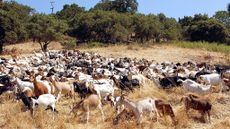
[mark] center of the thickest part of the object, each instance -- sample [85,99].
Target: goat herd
[43,78]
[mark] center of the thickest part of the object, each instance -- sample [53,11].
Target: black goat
[168,82]
[26,100]
[81,89]
[7,85]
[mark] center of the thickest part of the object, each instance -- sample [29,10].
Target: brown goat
[164,108]
[28,92]
[39,87]
[197,103]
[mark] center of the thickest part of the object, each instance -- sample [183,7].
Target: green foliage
[228,9]
[105,5]
[202,28]
[224,18]
[46,28]
[121,6]
[208,30]
[69,12]
[215,47]
[101,26]
[13,19]
[69,44]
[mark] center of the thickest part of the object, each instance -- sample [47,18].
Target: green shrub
[69,44]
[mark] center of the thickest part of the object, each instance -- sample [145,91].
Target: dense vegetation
[109,21]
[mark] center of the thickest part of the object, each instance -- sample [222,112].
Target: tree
[228,8]
[208,30]
[186,21]
[13,21]
[46,28]
[147,27]
[69,11]
[125,6]
[200,17]
[189,23]
[223,17]
[2,35]
[105,5]
[122,6]
[170,30]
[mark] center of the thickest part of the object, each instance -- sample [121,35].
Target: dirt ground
[13,114]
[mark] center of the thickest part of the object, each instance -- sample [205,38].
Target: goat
[197,103]
[25,99]
[212,79]
[164,108]
[28,92]
[114,101]
[192,86]
[82,89]
[63,87]
[139,107]
[24,84]
[141,78]
[93,101]
[5,84]
[39,87]
[103,88]
[45,100]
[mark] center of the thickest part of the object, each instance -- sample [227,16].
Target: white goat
[23,84]
[103,87]
[45,100]
[212,79]
[139,107]
[195,87]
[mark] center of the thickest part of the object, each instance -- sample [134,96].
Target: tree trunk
[1,47]
[44,46]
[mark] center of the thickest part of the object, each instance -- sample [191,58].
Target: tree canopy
[121,6]
[46,28]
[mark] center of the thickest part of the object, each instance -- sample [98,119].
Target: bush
[69,44]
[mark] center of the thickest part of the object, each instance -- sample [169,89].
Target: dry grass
[13,114]
[160,53]
[157,52]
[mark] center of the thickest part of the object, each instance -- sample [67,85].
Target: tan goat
[90,103]
[62,87]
